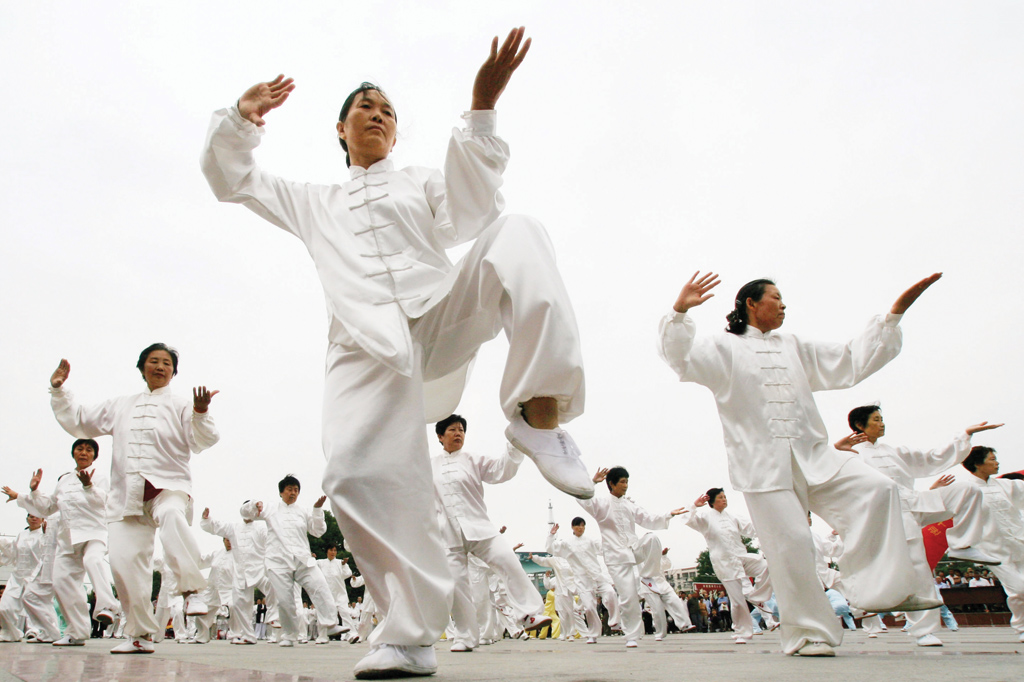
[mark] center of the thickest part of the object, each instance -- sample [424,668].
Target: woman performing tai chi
[405,325]
[154,433]
[780,457]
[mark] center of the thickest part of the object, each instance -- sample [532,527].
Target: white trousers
[11,611]
[624,579]
[499,557]
[373,417]
[565,608]
[131,557]
[69,570]
[921,623]
[240,617]
[742,621]
[174,612]
[1011,575]
[480,591]
[39,614]
[312,580]
[966,504]
[864,506]
[664,598]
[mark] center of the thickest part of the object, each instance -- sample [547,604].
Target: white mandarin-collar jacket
[564,581]
[154,433]
[763,384]
[582,554]
[1004,525]
[287,529]
[459,479]
[618,517]
[248,547]
[25,552]
[82,511]
[724,534]
[336,572]
[904,465]
[378,240]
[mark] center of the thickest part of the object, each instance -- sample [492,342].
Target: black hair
[712,494]
[615,474]
[144,355]
[443,425]
[332,546]
[90,442]
[1014,475]
[976,457]
[287,481]
[859,416]
[737,319]
[578,521]
[365,86]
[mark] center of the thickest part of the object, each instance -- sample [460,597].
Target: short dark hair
[365,86]
[578,521]
[976,457]
[90,442]
[615,474]
[737,319]
[859,416]
[443,425]
[712,494]
[287,481]
[1014,475]
[144,355]
[332,546]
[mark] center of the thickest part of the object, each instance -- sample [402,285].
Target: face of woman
[369,129]
[84,456]
[770,312]
[875,427]
[158,369]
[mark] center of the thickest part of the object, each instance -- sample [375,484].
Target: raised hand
[259,507]
[908,297]
[206,513]
[700,501]
[494,75]
[554,529]
[260,99]
[85,477]
[345,560]
[664,551]
[695,292]
[518,546]
[601,475]
[319,503]
[201,398]
[60,375]
[502,530]
[33,482]
[846,443]
[677,512]
[983,426]
[942,482]
[11,495]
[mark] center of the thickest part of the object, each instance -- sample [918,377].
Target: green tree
[705,572]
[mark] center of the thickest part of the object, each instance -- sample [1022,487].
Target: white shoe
[322,639]
[135,645]
[242,640]
[68,640]
[535,622]
[194,606]
[104,616]
[337,630]
[972,555]
[929,640]
[390,660]
[591,640]
[631,644]
[460,647]
[742,640]
[1021,638]
[286,643]
[816,649]
[872,635]
[555,454]
[915,603]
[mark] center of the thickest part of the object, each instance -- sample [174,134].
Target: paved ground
[990,654]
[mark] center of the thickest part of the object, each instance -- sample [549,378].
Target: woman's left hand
[201,398]
[496,72]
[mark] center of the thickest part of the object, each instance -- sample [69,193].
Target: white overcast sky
[845,148]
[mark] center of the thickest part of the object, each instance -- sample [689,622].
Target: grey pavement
[983,653]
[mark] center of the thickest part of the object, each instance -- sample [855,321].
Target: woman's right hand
[60,375]
[260,99]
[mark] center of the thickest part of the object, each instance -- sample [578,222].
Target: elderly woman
[154,433]
[405,324]
[80,498]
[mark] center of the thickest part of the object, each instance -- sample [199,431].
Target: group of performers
[405,324]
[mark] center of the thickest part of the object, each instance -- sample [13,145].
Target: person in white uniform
[459,478]
[780,456]
[217,592]
[592,580]
[80,497]
[618,516]
[1004,526]
[964,504]
[290,562]
[732,562]
[661,597]
[405,325]
[560,579]
[25,552]
[170,605]
[336,571]
[248,549]
[155,433]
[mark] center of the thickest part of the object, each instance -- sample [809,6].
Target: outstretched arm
[262,98]
[60,375]
[496,72]
[696,291]
[908,297]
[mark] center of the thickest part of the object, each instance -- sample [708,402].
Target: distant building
[681,579]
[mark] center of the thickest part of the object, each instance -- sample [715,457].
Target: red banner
[935,543]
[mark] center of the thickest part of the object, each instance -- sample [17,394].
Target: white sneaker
[135,645]
[555,454]
[459,647]
[591,640]
[337,630]
[631,644]
[390,660]
[1021,638]
[286,643]
[535,622]
[872,635]
[742,640]
[816,649]
[194,606]
[658,639]
[972,555]
[322,639]
[929,640]
[242,640]
[68,640]
[104,616]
